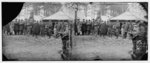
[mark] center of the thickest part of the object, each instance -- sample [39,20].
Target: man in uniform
[95,25]
[140,42]
[65,43]
[79,27]
[88,27]
[83,27]
[103,29]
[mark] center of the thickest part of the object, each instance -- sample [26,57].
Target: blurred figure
[55,30]
[65,42]
[122,30]
[83,27]
[7,29]
[139,40]
[79,27]
[96,26]
[111,31]
[130,30]
[125,30]
[117,29]
[88,26]
[103,29]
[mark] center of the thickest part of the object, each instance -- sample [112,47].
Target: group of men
[93,27]
[85,27]
[135,30]
[88,27]
[34,28]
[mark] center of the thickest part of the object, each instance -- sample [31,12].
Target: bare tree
[49,8]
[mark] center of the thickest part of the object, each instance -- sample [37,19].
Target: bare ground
[84,48]
[102,48]
[31,48]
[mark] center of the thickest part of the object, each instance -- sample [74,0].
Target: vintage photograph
[77,31]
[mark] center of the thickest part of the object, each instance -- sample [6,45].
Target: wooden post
[70,40]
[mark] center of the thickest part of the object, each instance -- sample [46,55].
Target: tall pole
[76,11]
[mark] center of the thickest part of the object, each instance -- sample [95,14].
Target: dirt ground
[84,48]
[108,48]
[31,48]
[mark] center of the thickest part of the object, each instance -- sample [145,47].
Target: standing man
[88,27]
[79,27]
[83,27]
[140,45]
[125,27]
[65,42]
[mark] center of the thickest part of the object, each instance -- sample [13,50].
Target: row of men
[80,28]
[97,28]
[117,29]
[35,29]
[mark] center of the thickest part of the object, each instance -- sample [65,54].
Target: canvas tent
[58,16]
[127,16]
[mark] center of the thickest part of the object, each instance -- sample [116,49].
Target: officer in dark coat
[83,27]
[50,30]
[65,42]
[103,29]
[21,28]
[88,25]
[16,28]
[36,29]
[140,45]
[6,29]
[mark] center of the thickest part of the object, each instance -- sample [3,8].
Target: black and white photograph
[75,31]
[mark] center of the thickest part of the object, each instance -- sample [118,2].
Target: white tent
[58,16]
[38,17]
[127,16]
[105,18]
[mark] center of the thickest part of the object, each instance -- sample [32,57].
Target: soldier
[79,27]
[29,27]
[83,27]
[50,30]
[130,30]
[21,28]
[92,27]
[16,28]
[124,30]
[6,29]
[56,29]
[110,30]
[140,42]
[88,27]
[99,28]
[65,42]
[103,29]
[117,29]
[35,29]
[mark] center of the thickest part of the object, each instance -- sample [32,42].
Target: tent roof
[126,16]
[105,18]
[58,16]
